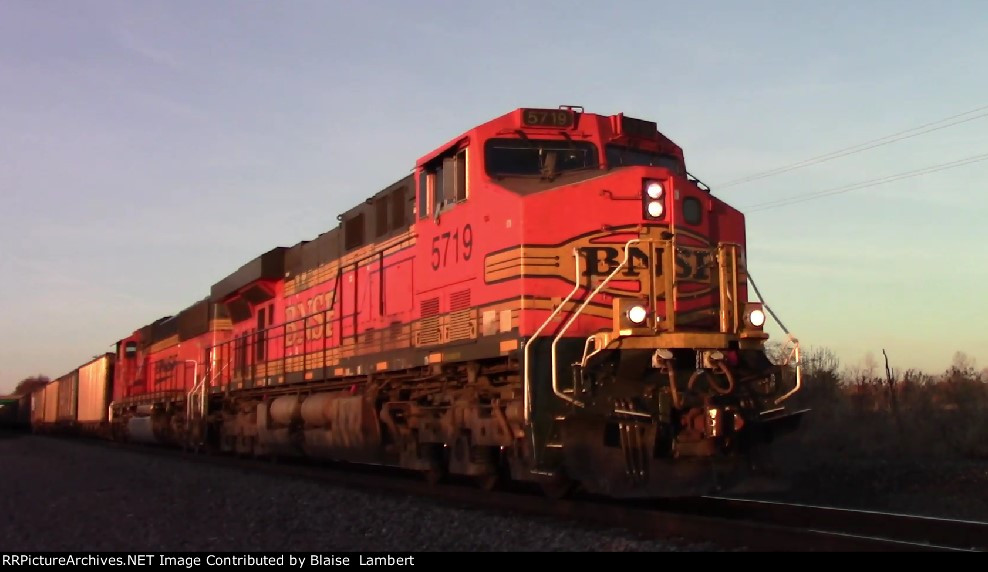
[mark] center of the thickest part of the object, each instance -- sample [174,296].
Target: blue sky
[149,148]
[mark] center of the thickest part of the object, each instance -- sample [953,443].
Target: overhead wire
[867,145]
[863,184]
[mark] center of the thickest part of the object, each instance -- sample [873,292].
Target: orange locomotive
[549,297]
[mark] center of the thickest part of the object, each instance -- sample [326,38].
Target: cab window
[537,157]
[618,156]
[443,183]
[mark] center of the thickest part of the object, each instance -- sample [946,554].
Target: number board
[548,118]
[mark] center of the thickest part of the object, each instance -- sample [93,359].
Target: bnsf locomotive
[550,297]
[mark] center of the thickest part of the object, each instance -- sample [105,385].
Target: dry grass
[919,442]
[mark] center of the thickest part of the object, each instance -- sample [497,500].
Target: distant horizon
[151,149]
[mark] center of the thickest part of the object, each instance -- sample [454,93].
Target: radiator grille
[462,326]
[428,333]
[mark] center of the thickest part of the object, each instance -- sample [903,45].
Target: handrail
[195,384]
[793,353]
[576,314]
[526,381]
[200,387]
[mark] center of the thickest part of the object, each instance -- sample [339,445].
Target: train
[548,298]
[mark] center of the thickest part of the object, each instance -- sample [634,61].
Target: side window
[423,206]
[460,194]
[437,182]
[450,180]
[443,183]
[448,196]
[692,210]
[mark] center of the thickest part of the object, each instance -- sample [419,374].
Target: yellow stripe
[365,255]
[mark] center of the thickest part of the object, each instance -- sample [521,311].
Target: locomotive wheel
[489,481]
[437,464]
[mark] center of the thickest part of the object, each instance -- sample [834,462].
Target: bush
[915,417]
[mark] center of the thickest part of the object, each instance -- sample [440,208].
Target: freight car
[549,297]
[94,389]
[15,412]
[44,408]
[77,402]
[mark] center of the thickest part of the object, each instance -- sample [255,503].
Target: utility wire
[751,281]
[901,135]
[863,184]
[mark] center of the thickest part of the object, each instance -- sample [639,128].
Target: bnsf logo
[306,320]
[692,264]
[599,254]
[164,370]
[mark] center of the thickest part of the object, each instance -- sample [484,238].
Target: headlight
[655,209]
[755,317]
[637,314]
[654,190]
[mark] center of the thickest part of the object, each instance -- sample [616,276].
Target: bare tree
[890,387]
[963,364]
[870,364]
[29,384]
[821,361]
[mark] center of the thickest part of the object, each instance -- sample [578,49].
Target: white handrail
[793,353]
[586,301]
[195,384]
[527,389]
[200,387]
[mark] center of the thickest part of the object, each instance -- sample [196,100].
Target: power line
[863,184]
[901,135]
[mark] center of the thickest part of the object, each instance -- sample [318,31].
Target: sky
[148,149]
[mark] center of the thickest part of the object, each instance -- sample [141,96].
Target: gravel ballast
[61,495]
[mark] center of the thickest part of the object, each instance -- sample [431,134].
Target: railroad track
[730,523]
[901,530]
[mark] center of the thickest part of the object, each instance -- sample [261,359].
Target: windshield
[625,157]
[538,157]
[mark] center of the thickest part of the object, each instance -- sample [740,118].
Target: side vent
[394,331]
[459,300]
[428,328]
[430,307]
[462,322]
